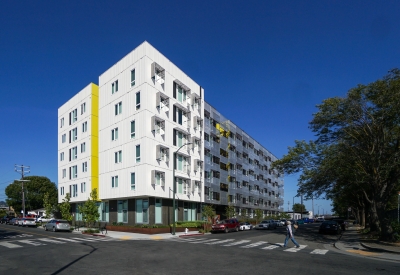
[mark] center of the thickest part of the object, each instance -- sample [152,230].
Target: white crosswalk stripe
[205,241]
[270,247]
[85,239]
[223,241]
[236,243]
[295,249]
[319,251]
[31,242]
[50,240]
[9,245]
[253,244]
[68,240]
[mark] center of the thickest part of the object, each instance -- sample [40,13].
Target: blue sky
[263,64]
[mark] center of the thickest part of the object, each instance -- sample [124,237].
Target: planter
[150,231]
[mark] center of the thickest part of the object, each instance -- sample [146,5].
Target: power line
[6,182]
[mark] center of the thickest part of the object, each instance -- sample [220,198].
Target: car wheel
[226,230]
[54,229]
[237,229]
[45,228]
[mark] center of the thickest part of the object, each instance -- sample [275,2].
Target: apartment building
[144,118]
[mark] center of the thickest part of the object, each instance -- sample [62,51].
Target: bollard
[186,230]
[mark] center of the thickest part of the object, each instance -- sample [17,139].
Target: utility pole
[288,206]
[21,169]
[302,209]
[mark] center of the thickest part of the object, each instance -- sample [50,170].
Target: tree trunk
[362,218]
[374,223]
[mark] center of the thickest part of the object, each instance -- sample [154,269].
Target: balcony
[162,102]
[158,178]
[197,123]
[157,74]
[162,153]
[158,125]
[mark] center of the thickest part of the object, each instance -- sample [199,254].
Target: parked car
[43,219]
[299,221]
[13,221]
[20,221]
[6,219]
[320,220]
[57,225]
[28,222]
[342,223]
[226,226]
[267,224]
[330,227]
[308,220]
[282,222]
[245,226]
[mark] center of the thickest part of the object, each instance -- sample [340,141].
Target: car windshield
[62,221]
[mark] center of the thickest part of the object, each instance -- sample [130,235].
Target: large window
[73,116]
[179,138]
[133,181]
[122,215]
[74,190]
[158,211]
[73,172]
[179,93]
[114,181]
[62,191]
[73,153]
[182,163]
[142,207]
[104,211]
[137,153]
[189,211]
[118,108]
[133,78]
[114,134]
[133,129]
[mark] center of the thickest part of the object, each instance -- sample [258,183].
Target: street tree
[356,148]
[65,208]
[49,205]
[208,213]
[90,209]
[229,211]
[298,207]
[258,215]
[34,190]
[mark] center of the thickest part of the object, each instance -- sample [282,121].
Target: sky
[265,65]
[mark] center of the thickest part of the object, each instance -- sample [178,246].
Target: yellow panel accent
[94,157]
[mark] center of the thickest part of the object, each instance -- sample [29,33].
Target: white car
[245,226]
[28,222]
[43,219]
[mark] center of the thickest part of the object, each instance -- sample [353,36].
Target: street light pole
[293,208]
[174,187]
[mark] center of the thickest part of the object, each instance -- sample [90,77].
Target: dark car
[6,219]
[330,227]
[226,226]
[342,223]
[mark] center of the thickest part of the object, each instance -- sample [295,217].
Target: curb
[188,235]
[94,234]
[378,249]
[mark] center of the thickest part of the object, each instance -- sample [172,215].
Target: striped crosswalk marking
[205,241]
[223,241]
[295,249]
[85,239]
[68,240]
[50,240]
[237,243]
[270,247]
[319,251]
[9,245]
[253,244]
[31,242]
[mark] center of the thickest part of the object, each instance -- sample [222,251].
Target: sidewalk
[351,242]
[136,236]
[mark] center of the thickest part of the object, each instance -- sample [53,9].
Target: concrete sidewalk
[137,236]
[351,242]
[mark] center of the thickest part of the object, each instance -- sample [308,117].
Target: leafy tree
[90,209]
[65,208]
[208,213]
[244,214]
[230,211]
[49,205]
[258,215]
[355,158]
[34,189]
[3,213]
[298,207]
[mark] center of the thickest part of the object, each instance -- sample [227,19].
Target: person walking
[289,234]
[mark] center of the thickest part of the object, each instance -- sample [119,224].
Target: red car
[226,226]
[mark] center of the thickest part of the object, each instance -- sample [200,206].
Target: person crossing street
[289,234]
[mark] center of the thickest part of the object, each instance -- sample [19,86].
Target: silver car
[57,225]
[28,222]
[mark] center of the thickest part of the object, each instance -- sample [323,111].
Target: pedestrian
[289,234]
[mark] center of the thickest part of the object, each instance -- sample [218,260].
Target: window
[84,166]
[83,108]
[114,181]
[158,178]
[84,127]
[61,122]
[182,163]
[118,156]
[73,135]
[132,129]
[73,153]
[158,211]
[73,172]
[142,207]
[63,138]
[138,101]
[137,153]
[83,187]
[179,93]
[114,134]
[118,108]
[122,215]
[62,191]
[178,115]
[61,156]
[179,138]
[64,173]
[83,147]
[74,190]
[114,87]
[133,78]
[73,116]
[133,181]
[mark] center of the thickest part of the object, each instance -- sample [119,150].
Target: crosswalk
[46,241]
[248,244]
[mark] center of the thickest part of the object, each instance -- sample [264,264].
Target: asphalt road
[34,251]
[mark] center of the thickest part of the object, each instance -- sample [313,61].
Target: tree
[356,151]
[258,215]
[90,209]
[229,211]
[298,207]
[3,213]
[34,190]
[244,214]
[49,205]
[65,208]
[208,213]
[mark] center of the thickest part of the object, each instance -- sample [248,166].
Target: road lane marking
[237,243]
[319,251]
[205,241]
[31,242]
[9,245]
[50,240]
[295,249]
[253,244]
[223,241]
[84,239]
[270,247]
[68,240]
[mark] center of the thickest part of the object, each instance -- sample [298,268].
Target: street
[34,251]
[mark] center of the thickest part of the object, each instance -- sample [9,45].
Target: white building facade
[146,110]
